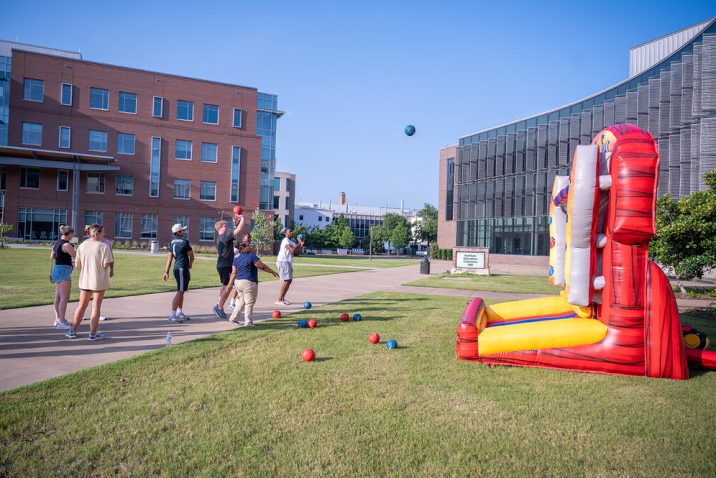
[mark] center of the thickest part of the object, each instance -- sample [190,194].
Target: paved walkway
[31,350]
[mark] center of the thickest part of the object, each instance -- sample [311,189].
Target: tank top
[61,257]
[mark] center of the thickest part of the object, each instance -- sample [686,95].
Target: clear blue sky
[350,76]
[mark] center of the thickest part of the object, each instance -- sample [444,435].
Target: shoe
[248,324]
[231,307]
[96,337]
[62,325]
[102,317]
[234,322]
[279,302]
[219,312]
[70,335]
[175,319]
[183,317]
[285,302]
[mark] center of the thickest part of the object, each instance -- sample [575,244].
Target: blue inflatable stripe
[539,319]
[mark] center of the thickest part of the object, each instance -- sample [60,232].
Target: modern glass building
[266,115]
[501,186]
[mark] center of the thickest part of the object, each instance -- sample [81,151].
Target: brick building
[135,150]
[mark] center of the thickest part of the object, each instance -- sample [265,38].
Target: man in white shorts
[284,264]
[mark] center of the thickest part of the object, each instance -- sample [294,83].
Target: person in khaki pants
[245,277]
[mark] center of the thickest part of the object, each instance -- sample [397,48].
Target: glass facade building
[503,176]
[267,114]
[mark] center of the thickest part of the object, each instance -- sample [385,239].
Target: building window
[206,229]
[99,99]
[158,107]
[66,94]
[97,141]
[211,114]
[94,217]
[154,167]
[63,179]
[148,229]
[32,134]
[276,184]
[300,217]
[450,189]
[123,225]
[95,183]
[207,191]
[40,224]
[127,102]
[320,218]
[235,171]
[65,137]
[276,200]
[124,185]
[3,178]
[184,221]
[183,150]
[34,90]
[182,189]
[30,178]
[125,143]
[185,110]
[208,152]
[238,117]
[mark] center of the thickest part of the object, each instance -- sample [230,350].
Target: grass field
[24,276]
[243,403]
[492,283]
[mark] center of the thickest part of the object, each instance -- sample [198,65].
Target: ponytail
[64,230]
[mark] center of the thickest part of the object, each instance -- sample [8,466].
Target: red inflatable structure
[617,313]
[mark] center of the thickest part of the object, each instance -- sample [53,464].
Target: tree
[391,222]
[278,230]
[346,237]
[427,229]
[262,232]
[375,239]
[686,233]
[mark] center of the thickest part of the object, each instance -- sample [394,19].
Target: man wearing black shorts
[225,250]
[181,252]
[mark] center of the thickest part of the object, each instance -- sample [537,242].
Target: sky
[351,75]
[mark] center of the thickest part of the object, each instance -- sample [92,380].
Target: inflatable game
[616,312]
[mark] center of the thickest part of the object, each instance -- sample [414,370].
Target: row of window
[124,225]
[123,185]
[34,90]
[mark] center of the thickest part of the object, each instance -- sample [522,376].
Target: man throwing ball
[225,249]
[284,263]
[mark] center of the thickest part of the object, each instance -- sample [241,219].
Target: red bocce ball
[312,323]
[276,314]
[374,338]
[345,317]
[308,355]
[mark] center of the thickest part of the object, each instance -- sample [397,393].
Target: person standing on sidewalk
[245,277]
[284,263]
[234,293]
[102,318]
[94,259]
[62,253]
[181,253]
[225,250]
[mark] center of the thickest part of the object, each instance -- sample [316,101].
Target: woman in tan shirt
[94,260]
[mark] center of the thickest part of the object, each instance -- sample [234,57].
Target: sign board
[470,260]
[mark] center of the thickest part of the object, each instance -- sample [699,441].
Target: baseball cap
[178,227]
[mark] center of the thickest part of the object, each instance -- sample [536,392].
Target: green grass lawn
[492,283]
[24,276]
[243,403]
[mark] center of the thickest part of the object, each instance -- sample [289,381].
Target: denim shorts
[61,273]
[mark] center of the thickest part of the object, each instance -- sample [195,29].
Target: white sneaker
[102,317]
[62,325]
[279,302]
[231,307]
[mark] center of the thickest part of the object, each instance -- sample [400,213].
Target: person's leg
[239,287]
[97,298]
[56,302]
[284,290]
[250,294]
[64,288]
[178,300]
[224,293]
[85,296]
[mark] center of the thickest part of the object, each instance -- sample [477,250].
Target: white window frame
[106,140]
[191,149]
[117,229]
[23,132]
[104,182]
[201,184]
[72,94]
[136,102]
[241,118]
[116,193]
[69,138]
[218,112]
[161,107]
[159,169]
[213,231]
[90,98]
[155,224]
[216,156]
[188,198]
[67,182]
[42,99]
[134,144]
[192,111]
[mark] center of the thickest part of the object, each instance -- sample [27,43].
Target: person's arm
[78,262]
[261,266]
[233,275]
[298,249]
[52,254]
[109,261]
[68,249]
[190,253]
[238,227]
[170,257]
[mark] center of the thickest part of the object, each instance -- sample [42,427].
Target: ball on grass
[357,317]
[307,305]
[308,355]
[312,324]
[391,344]
[237,209]
[374,338]
[302,324]
[276,314]
[345,317]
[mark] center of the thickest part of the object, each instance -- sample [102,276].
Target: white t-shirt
[93,255]
[284,253]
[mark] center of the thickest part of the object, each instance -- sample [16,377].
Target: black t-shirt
[180,248]
[225,248]
[61,257]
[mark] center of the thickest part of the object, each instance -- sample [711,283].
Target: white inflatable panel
[557,234]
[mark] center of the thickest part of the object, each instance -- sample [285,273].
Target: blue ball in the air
[391,344]
[302,324]
[307,305]
[410,130]
[302,236]
[357,317]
